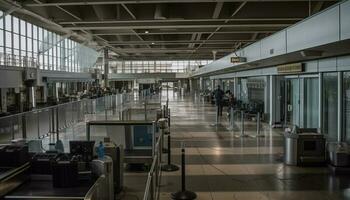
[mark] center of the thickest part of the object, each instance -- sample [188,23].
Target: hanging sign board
[290,68]
[238,59]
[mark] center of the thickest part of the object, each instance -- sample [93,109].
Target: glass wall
[252,89]
[155,66]
[23,44]
[346,96]
[330,105]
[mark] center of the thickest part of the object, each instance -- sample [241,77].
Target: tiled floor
[221,165]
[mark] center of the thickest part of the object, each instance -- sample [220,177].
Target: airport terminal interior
[175,99]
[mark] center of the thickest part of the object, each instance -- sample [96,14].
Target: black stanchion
[164,150]
[169,167]
[183,194]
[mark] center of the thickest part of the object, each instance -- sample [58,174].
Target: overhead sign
[238,59]
[290,68]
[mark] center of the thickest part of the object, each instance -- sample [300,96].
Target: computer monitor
[83,148]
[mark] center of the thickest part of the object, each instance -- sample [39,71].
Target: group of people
[219,96]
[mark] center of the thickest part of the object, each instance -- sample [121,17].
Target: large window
[155,66]
[23,44]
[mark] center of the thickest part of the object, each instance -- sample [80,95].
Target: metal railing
[98,190]
[43,122]
[237,120]
[154,176]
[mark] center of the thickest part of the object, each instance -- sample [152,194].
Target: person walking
[219,95]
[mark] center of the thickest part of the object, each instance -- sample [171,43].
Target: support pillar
[212,84]
[340,106]
[235,87]
[56,88]
[106,67]
[320,101]
[191,85]
[3,99]
[45,92]
[201,88]
[32,97]
[267,94]
[272,94]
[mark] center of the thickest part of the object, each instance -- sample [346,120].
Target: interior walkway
[221,165]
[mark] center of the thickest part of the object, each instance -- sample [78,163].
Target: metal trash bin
[339,154]
[291,146]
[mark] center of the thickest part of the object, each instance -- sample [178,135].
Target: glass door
[293,101]
[301,106]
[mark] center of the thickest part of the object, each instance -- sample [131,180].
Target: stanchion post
[231,118]
[169,167]
[242,124]
[183,194]
[258,125]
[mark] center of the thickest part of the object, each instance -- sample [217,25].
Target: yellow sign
[290,68]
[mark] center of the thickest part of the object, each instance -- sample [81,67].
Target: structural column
[201,84]
[32,97]
[3,99]
[56,88]
[191,85]
[106,66]
[45,91]
[340,106]
[235,87]
[320,101]
[272,94]
[266,94]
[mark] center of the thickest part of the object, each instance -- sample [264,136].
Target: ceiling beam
[186,32]
[222,26]
[166,50]
[119,27]
[254,36]
[181,20]
[217,10]
[176,42]
[69,13]
[129,11]
[193,37]
[113,2]
[317,7]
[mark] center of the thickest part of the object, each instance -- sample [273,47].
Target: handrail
[154,175]
[92,194]
[52,119]
[50,107]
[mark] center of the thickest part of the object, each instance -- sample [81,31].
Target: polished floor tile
[222,165]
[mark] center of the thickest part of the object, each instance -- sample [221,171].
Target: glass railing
[40,123]
[154,176]
[98,190]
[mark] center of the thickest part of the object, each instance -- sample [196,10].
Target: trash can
[290,146]
[339,154]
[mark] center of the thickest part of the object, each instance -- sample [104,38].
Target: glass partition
[330,105]
[346,96]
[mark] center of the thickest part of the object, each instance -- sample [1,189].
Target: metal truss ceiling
[169,29]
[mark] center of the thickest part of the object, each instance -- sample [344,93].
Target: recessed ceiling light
[146,32]
[152,43]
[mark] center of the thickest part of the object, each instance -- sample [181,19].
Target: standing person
[219,95]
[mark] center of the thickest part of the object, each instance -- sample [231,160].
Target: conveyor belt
[10,178]
[138,156]
[43,189]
